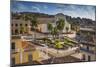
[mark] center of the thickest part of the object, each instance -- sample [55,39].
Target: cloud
[17,7]
[68,9]
[77,10]
[20,7]
[34,8]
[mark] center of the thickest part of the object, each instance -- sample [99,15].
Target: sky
[82,11]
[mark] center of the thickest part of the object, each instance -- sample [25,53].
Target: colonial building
[67,24]
[43,21]
[89,52]
[19,26]
[20,50]
[24,52]
[89,45]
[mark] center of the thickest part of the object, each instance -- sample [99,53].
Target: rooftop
[66,59]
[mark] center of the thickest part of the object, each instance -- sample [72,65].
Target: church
[43,21]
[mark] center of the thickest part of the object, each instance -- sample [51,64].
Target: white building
[42,26]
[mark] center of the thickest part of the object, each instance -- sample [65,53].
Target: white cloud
[34,8]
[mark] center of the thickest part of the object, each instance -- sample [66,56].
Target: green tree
[25,17]
[50,27]
[32,18]
[60,25]
[34,23]
[54,32]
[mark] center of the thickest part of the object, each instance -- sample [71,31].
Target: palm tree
[55,32]
[34,25]
[24,17]
[50,27]
[60,25]
[32,19]
[57,29]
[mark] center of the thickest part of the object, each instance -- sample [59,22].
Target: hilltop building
[43,21]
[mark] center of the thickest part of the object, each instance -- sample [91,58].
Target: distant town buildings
[20,26]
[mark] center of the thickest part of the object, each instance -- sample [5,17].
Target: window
[20,24]
[26,25]
[16,25]
[21,32]
[87,47]
[83,56]
[11,24]
[89,58]
[16,31]
[13,45]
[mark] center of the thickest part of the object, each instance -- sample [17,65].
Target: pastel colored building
[22,52]
[19,26]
